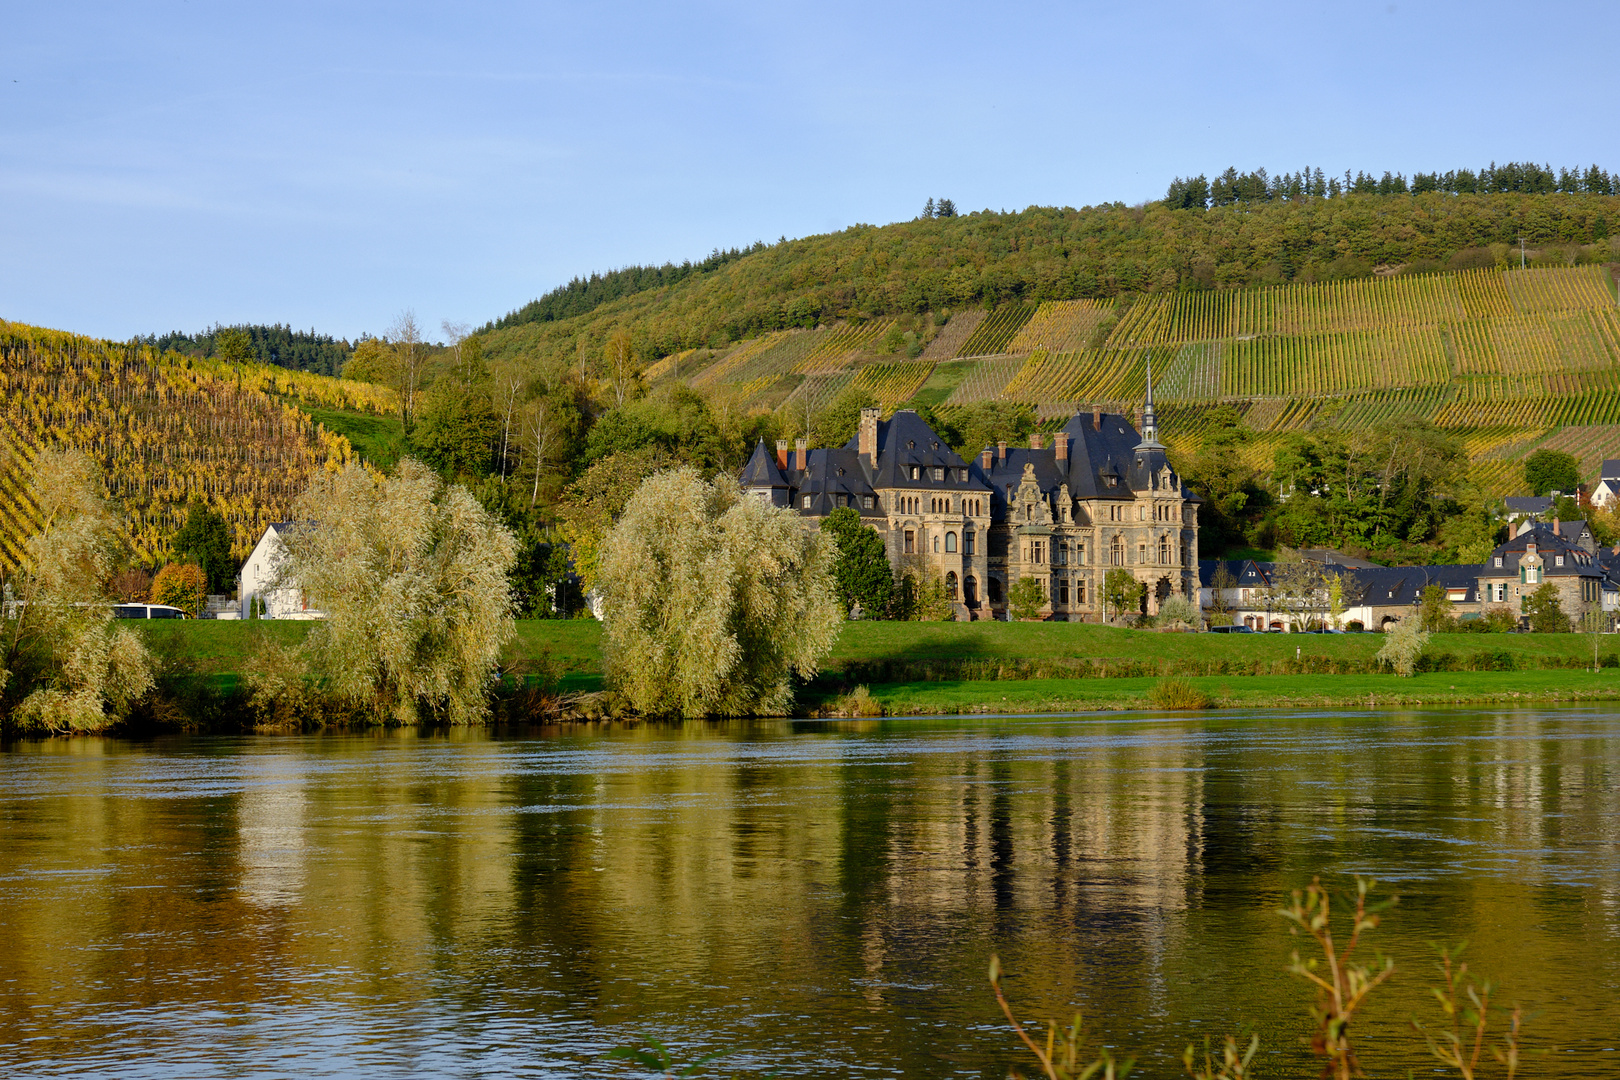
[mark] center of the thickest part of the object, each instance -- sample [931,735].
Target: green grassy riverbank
[920,668]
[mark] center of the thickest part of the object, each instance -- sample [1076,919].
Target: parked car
[1231,630]
[148,611]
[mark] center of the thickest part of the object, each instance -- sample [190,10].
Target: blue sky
[169,165]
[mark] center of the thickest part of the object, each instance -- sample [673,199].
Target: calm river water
[814,898]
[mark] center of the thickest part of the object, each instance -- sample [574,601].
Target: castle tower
[1150,425]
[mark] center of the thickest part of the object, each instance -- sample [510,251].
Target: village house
[1608,485]
[1095,496]
[1561,553]
[260,596]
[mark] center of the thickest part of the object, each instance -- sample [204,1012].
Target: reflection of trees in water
[831,898]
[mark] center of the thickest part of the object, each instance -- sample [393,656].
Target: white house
[1608,485]
[258,581]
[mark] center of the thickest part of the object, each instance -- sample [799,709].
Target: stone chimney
[1001,450]
[1060,445]
[867,445]
[801,454]
[987,455]
[1096,419]
[782,454]
[1036,440]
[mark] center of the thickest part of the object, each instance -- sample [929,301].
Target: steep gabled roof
[1611,469]
[761,470]
[905,440]
[830,474]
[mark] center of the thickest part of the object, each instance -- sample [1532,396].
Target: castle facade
[1096,496]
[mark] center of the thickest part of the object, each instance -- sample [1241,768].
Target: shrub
[1402,647]
[858,702]
[1178,610]
[1178,694]
[181,585]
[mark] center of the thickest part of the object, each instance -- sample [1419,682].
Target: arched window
[1164,549]
[936,545]
[970,590]
[1116,553]
[950,541]
[950,585]
[995,591]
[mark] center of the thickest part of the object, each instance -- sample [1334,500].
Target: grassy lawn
[573,644]
[1256,691]
[379,439]
[570,651]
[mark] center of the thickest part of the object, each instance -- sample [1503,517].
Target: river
[810,898]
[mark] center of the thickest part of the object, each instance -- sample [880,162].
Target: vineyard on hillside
[166,429]
[1509,360]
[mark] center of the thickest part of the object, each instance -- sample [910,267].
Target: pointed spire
[1150,425]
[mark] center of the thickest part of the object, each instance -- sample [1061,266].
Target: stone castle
[1100,495]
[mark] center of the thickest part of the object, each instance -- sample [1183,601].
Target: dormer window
[911,444]
[866,502]
[804,503]
[916,473]
[939,474]
[1499,562]
[1558,560]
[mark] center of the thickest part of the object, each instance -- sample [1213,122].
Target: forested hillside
[166,430]
[302,350]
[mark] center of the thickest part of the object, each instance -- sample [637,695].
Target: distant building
[259,576]
[1097,496]
[1543,553]
[1608,485]
[1523,507]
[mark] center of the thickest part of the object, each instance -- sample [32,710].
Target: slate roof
[1549,544]
[1528,504]
[1611,469]
[1096,455]
[761,470]
[905,440]
[1393,586]
[1246,573]
[831,473]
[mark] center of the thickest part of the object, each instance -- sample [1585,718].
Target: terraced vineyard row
[948,342]
[166,430]
[1419,300]
[892,384]
[997,331]
[1060,325]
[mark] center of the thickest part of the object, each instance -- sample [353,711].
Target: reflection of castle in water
[802,871]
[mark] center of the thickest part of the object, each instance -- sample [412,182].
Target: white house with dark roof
[259,581]
[1608,485]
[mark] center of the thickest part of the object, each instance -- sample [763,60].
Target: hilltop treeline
[584,295]
[981,259]
[301,350]
[1200,192]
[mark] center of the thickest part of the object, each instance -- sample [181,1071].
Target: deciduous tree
[713,603]
[1545,610]
[861,568]
[1026,598]
[66,666]
[181,585]
[412,574]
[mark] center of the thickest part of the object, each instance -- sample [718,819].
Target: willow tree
[712,602]
[411,573]
[66,665]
